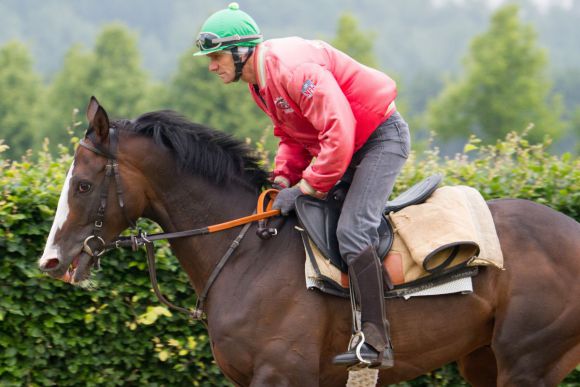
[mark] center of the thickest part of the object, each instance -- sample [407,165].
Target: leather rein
[112,176]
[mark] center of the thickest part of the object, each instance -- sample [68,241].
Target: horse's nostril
[51,264]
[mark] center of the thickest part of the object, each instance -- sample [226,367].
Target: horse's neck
[195,204]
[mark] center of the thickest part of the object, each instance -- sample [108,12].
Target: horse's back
[541,247]
[524,227]
[537,332]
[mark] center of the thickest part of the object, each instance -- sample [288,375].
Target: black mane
[203,151]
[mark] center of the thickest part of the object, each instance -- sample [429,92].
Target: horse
[519,327]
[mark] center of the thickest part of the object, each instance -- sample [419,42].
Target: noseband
[135,241]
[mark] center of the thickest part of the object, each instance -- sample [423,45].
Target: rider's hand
[286,200]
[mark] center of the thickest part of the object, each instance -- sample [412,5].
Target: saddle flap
[319,218]
[417,194]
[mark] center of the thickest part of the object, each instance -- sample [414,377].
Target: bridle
[140,238]
[111,176]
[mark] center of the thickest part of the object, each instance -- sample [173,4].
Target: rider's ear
[98,119]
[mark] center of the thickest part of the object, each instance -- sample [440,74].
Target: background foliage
[115,333]
[520,64]
[505,86]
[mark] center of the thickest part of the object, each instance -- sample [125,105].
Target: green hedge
[115,333]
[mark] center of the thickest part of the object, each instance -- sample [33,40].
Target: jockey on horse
[326,107]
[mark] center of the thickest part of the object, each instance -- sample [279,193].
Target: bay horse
[519,327]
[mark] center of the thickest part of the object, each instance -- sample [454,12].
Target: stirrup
[357,340]
[359,334]
[360,355]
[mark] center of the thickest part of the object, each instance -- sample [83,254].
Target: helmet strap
[238,62]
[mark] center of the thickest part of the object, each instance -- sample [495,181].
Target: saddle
[319,218]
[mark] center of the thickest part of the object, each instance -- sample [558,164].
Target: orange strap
[267,194]
[262,212]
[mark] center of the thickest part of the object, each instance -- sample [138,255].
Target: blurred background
[483,67]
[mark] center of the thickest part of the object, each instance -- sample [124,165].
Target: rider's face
[222,63]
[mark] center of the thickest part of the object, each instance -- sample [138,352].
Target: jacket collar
[259,65]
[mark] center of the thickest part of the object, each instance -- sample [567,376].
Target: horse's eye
[84,187]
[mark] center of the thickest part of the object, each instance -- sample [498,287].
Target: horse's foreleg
[291,360]
[266,375]
[278,373]
[479,367]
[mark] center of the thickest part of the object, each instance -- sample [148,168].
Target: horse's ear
[98,120]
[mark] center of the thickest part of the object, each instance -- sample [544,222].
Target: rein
[263,211]
[135,241]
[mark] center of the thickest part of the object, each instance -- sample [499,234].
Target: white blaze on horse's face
[51,250]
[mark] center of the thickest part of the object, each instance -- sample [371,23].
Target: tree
[68,93]
[575,128]
[117,78]
[112,72]
[355,42]
[505,86]
[20,88]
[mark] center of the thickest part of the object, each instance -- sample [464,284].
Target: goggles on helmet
[211,41]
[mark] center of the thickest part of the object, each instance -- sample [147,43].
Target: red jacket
[322,103]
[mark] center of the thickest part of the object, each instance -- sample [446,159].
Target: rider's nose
[50,264]
[212,66]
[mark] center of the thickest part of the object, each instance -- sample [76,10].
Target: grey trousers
[371,174]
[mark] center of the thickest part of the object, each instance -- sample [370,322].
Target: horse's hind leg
[536,337]
[479,367]
[548,373]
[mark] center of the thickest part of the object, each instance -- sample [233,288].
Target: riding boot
[366,280]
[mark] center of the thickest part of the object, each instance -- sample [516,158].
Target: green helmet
[228,28]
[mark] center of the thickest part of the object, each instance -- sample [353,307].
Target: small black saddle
[319,218]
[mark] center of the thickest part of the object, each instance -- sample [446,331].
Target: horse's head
[91,208]
[160,166]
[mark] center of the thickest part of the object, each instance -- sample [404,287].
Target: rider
[336,120]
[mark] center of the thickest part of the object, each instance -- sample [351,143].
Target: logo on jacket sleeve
[281,103]
[308,88]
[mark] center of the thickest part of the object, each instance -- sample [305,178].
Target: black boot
[366,281]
